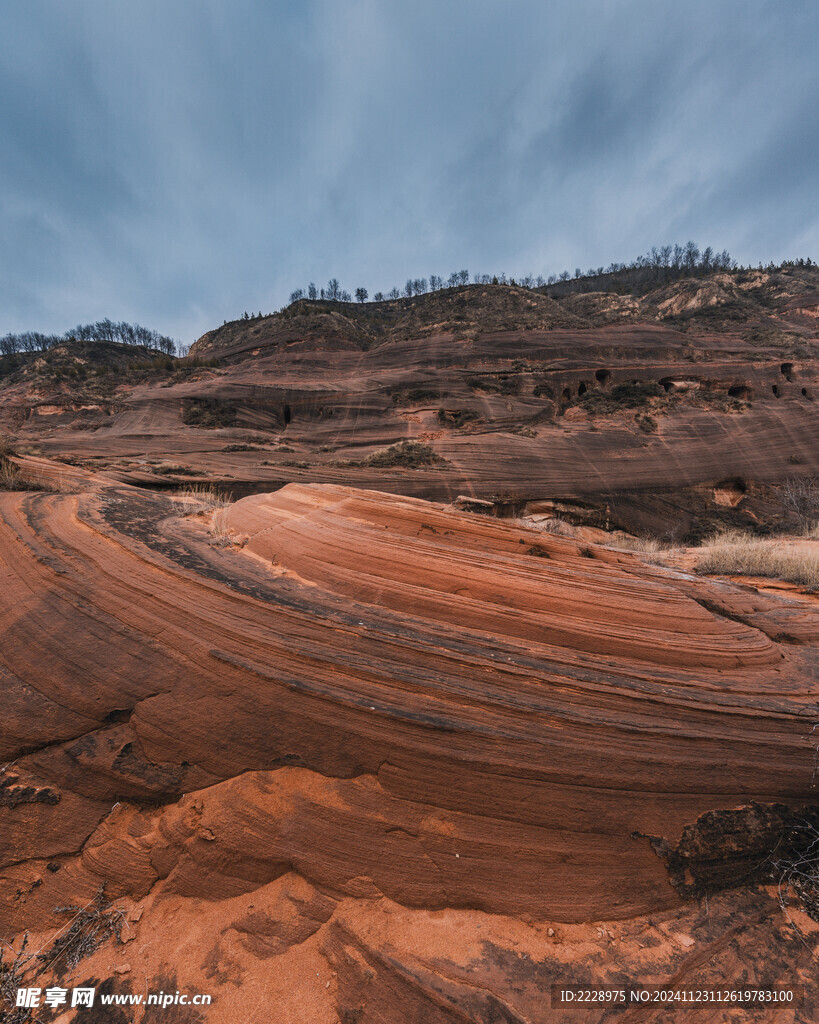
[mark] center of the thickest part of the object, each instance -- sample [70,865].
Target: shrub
[410,454]
[799,496]
[501,384]
[647,424]
[412,396]
[797,866]
[209,413]
[630,395]
[456,417]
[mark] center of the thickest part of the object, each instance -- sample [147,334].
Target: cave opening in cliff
[287,415]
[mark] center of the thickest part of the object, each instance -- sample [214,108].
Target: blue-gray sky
[177,162]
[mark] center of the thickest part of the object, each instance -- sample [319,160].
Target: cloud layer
[179,163]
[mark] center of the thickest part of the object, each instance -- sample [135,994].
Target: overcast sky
[177,162]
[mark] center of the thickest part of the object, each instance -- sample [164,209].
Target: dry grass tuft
[642,545]
[202,498]
[89,928]
[650,549]
[739,554]
[221,535]
[13,977]
[556,526]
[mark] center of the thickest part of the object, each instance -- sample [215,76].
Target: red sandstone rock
[339,754]
[376,710]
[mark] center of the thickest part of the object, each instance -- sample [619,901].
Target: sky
[178,162]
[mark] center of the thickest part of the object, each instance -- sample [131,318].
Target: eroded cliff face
[339,755]
[638,409]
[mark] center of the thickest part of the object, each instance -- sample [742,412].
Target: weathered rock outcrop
[342,728]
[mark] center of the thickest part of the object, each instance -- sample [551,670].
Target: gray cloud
[180,163]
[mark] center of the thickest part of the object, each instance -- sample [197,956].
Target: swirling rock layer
[379,760]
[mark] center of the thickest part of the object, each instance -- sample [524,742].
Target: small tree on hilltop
[361,294]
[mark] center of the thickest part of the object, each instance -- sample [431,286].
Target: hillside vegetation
[751,300]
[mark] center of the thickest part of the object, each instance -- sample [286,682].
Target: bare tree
[9,345]
[333,290]
[312,291]
[361,294]
[799,496]
[691,257]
